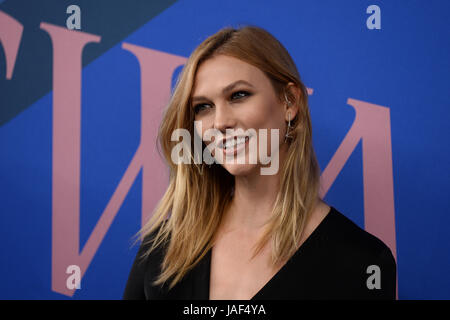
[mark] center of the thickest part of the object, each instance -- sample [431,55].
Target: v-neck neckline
[304,245]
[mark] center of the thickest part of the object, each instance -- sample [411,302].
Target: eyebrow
[228,88]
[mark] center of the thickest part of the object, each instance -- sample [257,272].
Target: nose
[224,118]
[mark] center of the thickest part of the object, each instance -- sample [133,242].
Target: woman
[230,231]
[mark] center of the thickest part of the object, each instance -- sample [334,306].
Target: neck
[253,200]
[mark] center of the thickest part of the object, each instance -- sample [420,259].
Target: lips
[233,145]
[232,142]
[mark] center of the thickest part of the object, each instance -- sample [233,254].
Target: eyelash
[198,106]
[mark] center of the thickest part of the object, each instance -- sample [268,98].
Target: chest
[235,273]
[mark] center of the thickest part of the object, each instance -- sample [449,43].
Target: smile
[232,146]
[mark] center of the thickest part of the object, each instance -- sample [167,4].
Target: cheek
[201,126]
[257,115]
[265,115]
[270,117]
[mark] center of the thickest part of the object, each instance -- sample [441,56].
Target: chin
[241,169]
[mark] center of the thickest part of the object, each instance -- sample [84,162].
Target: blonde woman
[229,229]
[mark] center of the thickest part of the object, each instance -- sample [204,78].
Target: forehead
[219,71]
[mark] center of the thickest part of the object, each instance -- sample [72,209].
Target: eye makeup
[235,96]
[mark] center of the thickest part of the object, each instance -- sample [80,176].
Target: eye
[239,95]
[200,107]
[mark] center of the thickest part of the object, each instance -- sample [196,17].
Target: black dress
[332,263]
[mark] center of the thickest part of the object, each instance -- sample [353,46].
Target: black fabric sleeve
[388,268]
[135,287]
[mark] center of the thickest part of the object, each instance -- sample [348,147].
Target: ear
[293,95]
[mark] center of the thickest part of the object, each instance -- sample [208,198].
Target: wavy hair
[186,218]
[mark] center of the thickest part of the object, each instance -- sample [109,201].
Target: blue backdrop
[404,66]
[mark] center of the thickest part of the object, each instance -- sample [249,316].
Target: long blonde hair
[185,220]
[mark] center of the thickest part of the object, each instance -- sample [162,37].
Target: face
[238,100]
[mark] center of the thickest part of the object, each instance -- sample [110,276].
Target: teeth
[233,142]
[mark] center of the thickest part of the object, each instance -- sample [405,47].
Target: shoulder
[152,258]
[187,288]
[347,236]
[349,259]
[143,272]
